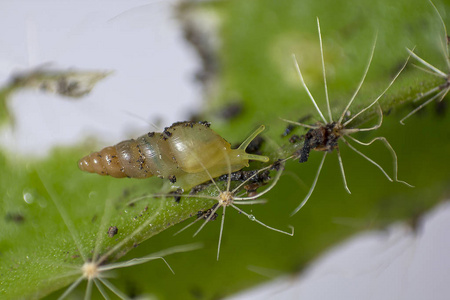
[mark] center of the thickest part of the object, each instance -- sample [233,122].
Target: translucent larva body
[184,153]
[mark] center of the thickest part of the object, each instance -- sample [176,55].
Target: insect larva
[324,136]
[182,154]
[439,92]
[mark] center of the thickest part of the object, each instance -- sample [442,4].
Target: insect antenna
[136,116]
[324,73]
[300,124]
[378,98]
[444,43]
[306,88]
[361,82]
[299,72]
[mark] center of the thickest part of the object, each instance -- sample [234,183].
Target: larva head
[198,148]
[243,156]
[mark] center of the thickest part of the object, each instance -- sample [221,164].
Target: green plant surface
[51,226]
[258,38]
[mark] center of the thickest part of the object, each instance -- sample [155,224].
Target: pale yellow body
[186,153]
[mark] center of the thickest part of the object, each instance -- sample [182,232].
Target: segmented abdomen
[141,158]
[103,162]
[184,147]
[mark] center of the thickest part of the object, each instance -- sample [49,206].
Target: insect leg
[88,293]
[153,256]
[306,88]
[207,220]
[100,288]
[244,202]
[341,166]
[221,231]
[187,226]
[440,95]
[71,288]
[427,64]
[252,218]
[378,125]
[272,184]
[112,288]
[312,187]
[134,233]
[69,224]
[388,146]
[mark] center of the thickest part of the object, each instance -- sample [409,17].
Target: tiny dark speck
[172,178]
[112,231]
[15,217]
[167,134]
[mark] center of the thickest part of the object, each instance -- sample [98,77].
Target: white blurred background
[141,42]
[153,82]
